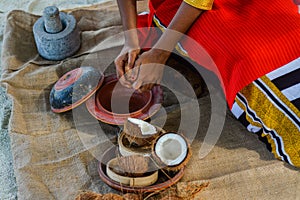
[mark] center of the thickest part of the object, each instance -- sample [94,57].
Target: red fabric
[147,35]
[245,39]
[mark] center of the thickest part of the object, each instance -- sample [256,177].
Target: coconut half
[139,132]
[145,127]
[172,150]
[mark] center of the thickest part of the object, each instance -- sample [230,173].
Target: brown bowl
[127,100]
[165,180]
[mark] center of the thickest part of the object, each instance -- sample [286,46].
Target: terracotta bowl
[119,100]
[114,103]
[165,180]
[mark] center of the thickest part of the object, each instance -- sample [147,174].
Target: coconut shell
[178,167]
[112,196]
[134,134]
[132,196]
[127,149]
[168,194]
[88,195]
[135,165]
[191,189]
[131,166]
[171,197]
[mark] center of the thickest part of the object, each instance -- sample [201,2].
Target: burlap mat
[55,155]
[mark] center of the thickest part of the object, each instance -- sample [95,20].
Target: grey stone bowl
[60,45]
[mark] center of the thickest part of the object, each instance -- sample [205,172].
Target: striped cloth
[270,107]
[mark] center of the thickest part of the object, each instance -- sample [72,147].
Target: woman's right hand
[125,62]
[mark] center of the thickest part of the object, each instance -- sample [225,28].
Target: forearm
[128,12]
[182,21]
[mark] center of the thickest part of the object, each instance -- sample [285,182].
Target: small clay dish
[74,88]
[165,179]
[114,103]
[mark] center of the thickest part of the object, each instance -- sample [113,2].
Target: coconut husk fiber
[55,155]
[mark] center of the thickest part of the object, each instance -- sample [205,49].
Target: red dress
[244,39]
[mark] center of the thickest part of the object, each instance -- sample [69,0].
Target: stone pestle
[56,34]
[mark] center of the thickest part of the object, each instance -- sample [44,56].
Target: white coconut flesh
[145,127]
[171,148]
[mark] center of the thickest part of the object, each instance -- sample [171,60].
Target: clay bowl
[165,180]
[114,103]
[119,100]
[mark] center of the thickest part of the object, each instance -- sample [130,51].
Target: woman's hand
[149,69]
[150,64]
[125,62]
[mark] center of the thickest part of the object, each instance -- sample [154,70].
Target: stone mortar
[56,34]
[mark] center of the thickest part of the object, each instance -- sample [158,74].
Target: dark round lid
[74,88]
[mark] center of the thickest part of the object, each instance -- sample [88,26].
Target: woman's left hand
[149,69]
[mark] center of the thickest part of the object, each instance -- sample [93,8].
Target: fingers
[120,63]
[125,82]
[133,65]
[130,73]
[146,87]
[137,84]
[124,66]
[142,81]
[131,59]
[136,70]
[141,87]
[124,78]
